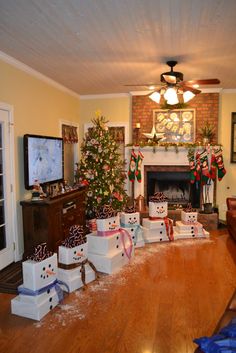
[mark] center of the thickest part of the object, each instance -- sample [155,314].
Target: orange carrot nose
[50,272]
[79,254]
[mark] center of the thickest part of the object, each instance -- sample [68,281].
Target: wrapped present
[107,219]
[189,214]
[158,205]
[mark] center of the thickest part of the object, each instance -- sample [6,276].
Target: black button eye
[49,265]
[44,268]
[82,250]
[74,252]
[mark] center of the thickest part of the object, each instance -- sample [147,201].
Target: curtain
[69,134]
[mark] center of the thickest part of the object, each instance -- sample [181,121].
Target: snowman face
[191,217]
[108,224]
[133,219]
[158,209]
[112,223]
[78,253]
[73,255]
[47,274]
[39,274]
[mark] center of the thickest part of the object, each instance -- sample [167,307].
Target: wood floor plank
[168,295]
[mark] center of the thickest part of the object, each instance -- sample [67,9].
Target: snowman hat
[129,209]
[189,208]
[158,197]
[106,211]
[40,253]
[76,237]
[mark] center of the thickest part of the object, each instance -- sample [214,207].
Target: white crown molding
[104,96]
[203,90]
[229,90]
[27,69]
[211,90]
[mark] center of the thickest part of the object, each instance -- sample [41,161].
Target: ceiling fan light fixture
[173,100]
[170,93]
[155,97]
[187,96]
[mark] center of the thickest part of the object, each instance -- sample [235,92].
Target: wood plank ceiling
[96,47]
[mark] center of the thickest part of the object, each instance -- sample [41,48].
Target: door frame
[12,200]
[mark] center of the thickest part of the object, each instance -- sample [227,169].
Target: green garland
[167,145]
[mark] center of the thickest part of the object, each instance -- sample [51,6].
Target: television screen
[43,159]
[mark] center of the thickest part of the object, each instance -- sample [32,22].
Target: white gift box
[154,235]
[158,209]
[189,217]
[37,275]
[73,277]
[179,235]
[110,263]
[73,255]
[108,224]
[130,218]
[190,229]
[34,307]
[183,231]
[138,240]
[111,244]
[159,224]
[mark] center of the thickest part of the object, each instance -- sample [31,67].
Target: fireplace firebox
[174,182]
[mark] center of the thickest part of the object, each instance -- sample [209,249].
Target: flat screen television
[43,159]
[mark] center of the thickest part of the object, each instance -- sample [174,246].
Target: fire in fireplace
[174,182]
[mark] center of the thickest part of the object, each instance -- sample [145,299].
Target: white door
[6,221]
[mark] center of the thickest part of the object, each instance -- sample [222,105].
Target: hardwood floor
[168,295]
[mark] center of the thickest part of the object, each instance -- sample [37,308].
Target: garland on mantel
[167,145]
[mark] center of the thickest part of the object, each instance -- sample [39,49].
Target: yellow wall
[115,109]
[227,186]
[38,108]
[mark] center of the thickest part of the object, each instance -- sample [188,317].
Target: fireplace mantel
[159,157]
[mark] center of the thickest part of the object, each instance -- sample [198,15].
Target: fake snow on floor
[81,299]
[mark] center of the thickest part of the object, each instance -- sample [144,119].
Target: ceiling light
[170,94]
[155,96]
[187,96]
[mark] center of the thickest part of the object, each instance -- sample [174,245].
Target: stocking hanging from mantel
[69,134]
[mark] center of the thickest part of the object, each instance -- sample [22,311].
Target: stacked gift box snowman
[40,291]
[74,268]
[158,227]
[130,221]
[189,227]
[110,247]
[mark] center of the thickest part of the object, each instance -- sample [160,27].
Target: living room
[38,102]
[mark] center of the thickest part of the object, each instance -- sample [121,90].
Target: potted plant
[207,133]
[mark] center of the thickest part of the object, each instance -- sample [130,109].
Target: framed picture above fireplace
[178,125]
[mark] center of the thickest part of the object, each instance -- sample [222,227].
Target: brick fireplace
[169,162]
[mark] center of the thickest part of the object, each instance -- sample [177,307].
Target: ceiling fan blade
[209,81]
[170,79]
[191,89]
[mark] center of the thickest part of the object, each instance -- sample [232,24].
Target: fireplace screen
[175,185]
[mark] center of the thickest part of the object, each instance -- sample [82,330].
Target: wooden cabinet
[49,220]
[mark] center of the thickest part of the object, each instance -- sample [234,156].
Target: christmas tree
[102,168]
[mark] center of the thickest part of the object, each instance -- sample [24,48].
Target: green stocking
[138,166]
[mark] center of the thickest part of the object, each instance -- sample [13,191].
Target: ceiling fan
[174,86]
